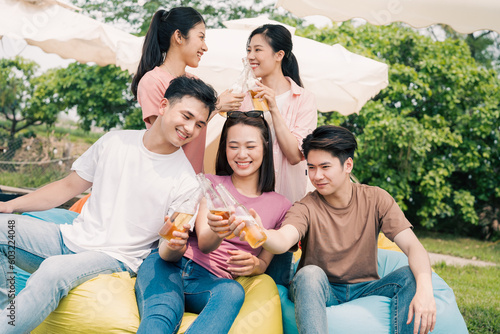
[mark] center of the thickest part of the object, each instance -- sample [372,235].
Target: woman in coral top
[175,39]
[292,111]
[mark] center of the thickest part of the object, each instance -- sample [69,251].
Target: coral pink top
[301,117]
[150,92]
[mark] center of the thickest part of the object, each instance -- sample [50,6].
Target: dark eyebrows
[247,142]
[321,164]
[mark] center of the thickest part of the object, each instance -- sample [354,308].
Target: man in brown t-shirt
[338,225]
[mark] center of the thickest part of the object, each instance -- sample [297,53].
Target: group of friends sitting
[139,178]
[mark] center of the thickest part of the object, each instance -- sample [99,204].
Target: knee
[309,281]
[310,275]
[233,291]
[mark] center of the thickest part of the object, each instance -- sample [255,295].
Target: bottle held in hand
[254,234]
[183,215]
[215,203]
[176,223]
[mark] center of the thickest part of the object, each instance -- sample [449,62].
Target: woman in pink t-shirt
[196,274]
[175,39]
[292,111]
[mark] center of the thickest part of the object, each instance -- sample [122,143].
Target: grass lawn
[477,289]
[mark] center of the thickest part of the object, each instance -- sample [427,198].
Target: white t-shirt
[133,189]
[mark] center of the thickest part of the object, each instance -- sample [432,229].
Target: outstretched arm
[49,196]
[423,305]
[278,241]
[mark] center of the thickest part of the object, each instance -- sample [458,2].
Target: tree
[431,137]
[24,97]
[136,16]
[101,95]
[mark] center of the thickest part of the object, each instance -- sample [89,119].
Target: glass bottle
[182,215]
[215,203]
[254,233]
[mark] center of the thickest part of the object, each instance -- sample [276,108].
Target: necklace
[164,65]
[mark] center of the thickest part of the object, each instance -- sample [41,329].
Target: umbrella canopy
[56,29]
[464,16]
[341,80]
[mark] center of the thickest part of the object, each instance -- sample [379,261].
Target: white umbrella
[55,29]
[465,16]
[341,80]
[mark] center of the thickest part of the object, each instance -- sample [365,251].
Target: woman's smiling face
[244,150]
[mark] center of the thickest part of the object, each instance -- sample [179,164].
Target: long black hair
[266,171]
[279,38]
[157,41]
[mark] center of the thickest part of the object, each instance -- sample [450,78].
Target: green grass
[467,248]
[32,177]
[477,293]
[476,289]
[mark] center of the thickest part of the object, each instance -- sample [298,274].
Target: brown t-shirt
[343,241]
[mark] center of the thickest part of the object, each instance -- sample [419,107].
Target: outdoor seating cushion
[107,304]
[371,314]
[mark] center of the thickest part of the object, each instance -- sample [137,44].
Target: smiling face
[244,150]
[181,121]
[263,60]
[193,47]
[327,174]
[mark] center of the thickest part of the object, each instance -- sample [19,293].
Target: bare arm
[278,241]
[49,196]
[286,140]
[423,305]
[228,101]
[207,227]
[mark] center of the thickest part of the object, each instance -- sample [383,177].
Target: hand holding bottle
[175,234]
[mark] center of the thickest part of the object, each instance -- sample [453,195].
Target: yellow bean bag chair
[107,304]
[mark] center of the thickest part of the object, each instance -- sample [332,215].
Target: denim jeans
[39,249]
[312,292]
[163,289]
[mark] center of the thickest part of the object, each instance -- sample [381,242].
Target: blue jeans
[311,291]
[163,289]
[39,249]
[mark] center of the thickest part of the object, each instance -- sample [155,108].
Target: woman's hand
[219,225]
[228,101]
[264,92]
[241,263]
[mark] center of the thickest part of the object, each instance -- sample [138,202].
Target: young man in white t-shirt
[137,177]
[338,226]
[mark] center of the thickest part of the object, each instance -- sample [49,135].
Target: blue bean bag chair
[371,314]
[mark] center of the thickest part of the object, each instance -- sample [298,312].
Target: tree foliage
[24,96]
[431,137]
[101,95]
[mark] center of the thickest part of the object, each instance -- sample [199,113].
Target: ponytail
[157,40]
[290,68]
[279,38]
[151,53]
